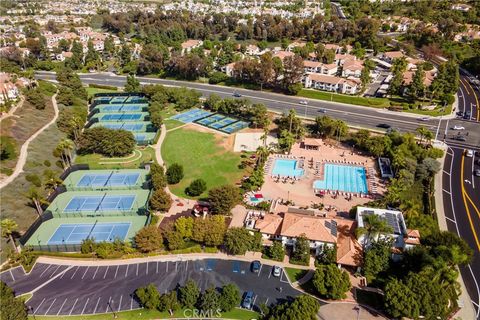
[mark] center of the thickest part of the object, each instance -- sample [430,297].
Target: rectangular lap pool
[286,168]
[343,178]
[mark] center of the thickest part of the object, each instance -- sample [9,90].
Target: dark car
[256,265]
[384,126]
[467,115]
[460,113]
[237,95]
[248,300]
[460,138]
[322,110]
[477,173]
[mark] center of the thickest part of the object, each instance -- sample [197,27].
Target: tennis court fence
[57,247]
[34,226]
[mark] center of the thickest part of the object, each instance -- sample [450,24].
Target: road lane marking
[447,192]
[96,270]
[83,310]
[62,306]
[115,276]
[85,272]
[476,100]
[464,195]
[126,271]
[73,275]
[96,306]
[450,219]
[46,312]
[45,270]
[71,310]
[104,276]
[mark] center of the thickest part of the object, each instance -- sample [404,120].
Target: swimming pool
[286,168]
[343,178]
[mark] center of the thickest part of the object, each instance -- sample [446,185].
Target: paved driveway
[99,289]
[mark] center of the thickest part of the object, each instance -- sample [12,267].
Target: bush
[102,86]
[34,179]
[331,282]
[223,199]
[47,163]
[7,148]
[196,188]
[217,77]
[160,200]
[36,98]
[105,141]
[148,239]
[174,173]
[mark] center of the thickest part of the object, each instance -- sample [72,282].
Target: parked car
[277,271]
[424,119]
[458,127]
[460,138]
[467,115]
[477,172]
[469,153]
[256,265]
[460,113]
[303,102]
[247,302]
[384,126]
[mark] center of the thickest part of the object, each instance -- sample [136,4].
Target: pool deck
[301,191]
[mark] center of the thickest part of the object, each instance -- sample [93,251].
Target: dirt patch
[223,140]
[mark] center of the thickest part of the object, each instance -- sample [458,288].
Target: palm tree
[9,227]
[36,199]
[68,147]
[424,133]
[52,180]
[77,125]
[64,152]
[374,225]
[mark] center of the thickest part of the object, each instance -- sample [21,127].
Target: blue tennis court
[121,117]
[222,123]
[207,121]
[191,115]
[234,127]
[113,179]
[118,99]
[100,203]
[76,233]
[136,99]
[122,107]
[125,126]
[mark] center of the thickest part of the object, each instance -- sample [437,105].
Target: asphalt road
[357,116]
[78,290]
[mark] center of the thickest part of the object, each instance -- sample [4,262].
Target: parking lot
[99,289]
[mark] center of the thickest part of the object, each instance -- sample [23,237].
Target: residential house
[189,45]
[318,67]
[331,83]
[228,69]
[391,55]
[9,87]
[352,68]
[283,54]
[252,50]
[62,56]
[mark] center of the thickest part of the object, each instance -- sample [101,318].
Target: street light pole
[110,301]
[30,308]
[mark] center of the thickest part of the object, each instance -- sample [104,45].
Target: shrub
[196,188]
[160,200]
[105,141]
[148,239]
[217,77]
[174,173]
[36,98]
[34,179]
[7,148]
[47,163]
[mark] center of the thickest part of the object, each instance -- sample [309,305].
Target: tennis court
[191,115]
[121,107]
[76,233]
[113,179]
[121,117]
[213,118]
[234,127]
[125,126]
[120,99]
[100,203]
[136,99]
[222,123]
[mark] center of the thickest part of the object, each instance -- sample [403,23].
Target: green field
[295,274]
[144,314]
[201,157]
[98,161]
[92,91]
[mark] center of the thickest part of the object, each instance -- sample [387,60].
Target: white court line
[73,275]
[120,303]
[96,306]
[50,306]
[115,276]
[62,306]
[83,310]
[85,272]
[137,269]
[157,268]
[96,270]
[11,274]
[39,306]
[105,272]
[54,271]
[451,220]
[45,270]
[126,271]
[73,307]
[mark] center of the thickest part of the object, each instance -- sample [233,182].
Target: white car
[469,153]
[424,119]
[277,271]
[303,102]
[457,127]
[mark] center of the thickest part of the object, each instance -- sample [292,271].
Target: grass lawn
[295,274]
[201,157]
[172,123]
[144,314]
[91,91]
[97,161]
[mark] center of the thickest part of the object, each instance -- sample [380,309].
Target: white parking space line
[54,271]
[46,312]
[126,271]
[96,306]
[108,304]
[62,306]
[85,272]
[260,270]
[96,270]
[137,269]
[146,271]
[73,275]
[186,266]
[131,302]
[281,277]
[11,274]
[176,265]
[105,275]
[120,303]
[167,267]
[45,270]
[83,310]
[157,268]
[38,307]
[254,299]
[115,276]
[266,302]
[70,313]
[270,273]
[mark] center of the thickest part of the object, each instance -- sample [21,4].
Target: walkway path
[22,158]
[11,112]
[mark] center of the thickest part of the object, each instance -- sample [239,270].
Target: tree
[174,173]
[229,298]
[36,199]
[92,58]
[376,258]
[290,122]
[196,188]
[152,59]
[174,240]
[304,307]
[189,294]
[374,225]
[132,85]
[7,148]
[184,226]
[215,232]
[36,98]
[159,181]
[301,252]
[76,61]
[417,87]
[156,119]
[9,227]
[286,140]
[331,282]
[168,301]
[276,251]
[238,240]
[148,239]
[292,73]
[223,199]
[329,56]
[148,296]
[105,141]
[11,308]
[160,200]
[209,300]
[424,133]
